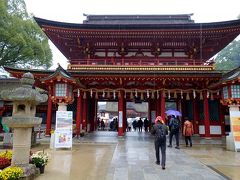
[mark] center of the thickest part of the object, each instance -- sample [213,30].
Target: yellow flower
[13,173]
[7,154]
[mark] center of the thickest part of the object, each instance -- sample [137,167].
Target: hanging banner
[120,119]
[235,128]
[63,130]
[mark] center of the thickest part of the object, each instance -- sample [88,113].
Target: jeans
[176,134]
[161,145]
[188,138]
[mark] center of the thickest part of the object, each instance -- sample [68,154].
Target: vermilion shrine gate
[152,58]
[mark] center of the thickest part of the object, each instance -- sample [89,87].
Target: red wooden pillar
[124,113]
[79,113]
[93,110]
[221,118]
[84,120]
[195,117]
[49,116]
[95,115]
[162,106]
[206,114]
[121,114]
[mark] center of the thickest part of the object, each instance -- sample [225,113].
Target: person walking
[188,131]
[160,130]
[174,131]
[102,125]
[146,124]
[134,124]
[140,125]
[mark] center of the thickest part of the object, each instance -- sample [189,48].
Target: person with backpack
[160,130]
[188,131]
[174,131]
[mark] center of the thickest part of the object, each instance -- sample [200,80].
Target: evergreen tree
[22,43]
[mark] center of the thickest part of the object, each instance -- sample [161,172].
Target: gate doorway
[107,115]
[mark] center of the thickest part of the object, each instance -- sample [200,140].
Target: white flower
[40,157]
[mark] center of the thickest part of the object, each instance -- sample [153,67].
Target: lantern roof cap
[59,72]
[26,92]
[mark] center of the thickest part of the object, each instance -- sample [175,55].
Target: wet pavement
[104,156]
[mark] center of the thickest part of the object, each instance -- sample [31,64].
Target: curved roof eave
[211,25]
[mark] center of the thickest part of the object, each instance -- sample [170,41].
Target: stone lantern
[25,99]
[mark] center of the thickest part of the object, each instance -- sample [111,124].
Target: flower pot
[41,168]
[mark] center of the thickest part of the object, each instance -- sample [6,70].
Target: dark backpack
[160,133]
[175,124]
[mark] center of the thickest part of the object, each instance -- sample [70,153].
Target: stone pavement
[104,156]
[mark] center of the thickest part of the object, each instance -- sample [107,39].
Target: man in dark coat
[160,130]
[146,124]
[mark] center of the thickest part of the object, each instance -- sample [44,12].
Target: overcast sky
[72,11]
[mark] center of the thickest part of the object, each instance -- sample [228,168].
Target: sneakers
[169,146]
[177,147]
[158,163]
[163,167]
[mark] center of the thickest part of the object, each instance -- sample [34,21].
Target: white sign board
[235,128]
[63,130]
[215,130]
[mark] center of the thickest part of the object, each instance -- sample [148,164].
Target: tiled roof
[138,19]
[232,75]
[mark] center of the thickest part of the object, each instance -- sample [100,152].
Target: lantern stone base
[230,142]
[30,172]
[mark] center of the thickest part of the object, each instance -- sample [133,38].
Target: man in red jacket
[188,131]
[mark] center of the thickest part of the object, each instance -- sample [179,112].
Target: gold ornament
[175,95]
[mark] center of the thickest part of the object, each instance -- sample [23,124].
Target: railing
[141,62]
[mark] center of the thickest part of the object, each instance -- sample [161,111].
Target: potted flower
[5,159]
[4,162]
[12,173]
[40,159]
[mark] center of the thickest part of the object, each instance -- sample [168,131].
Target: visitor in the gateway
[146,124]
[102,125]
[129,126]
[134,124]
[140,124]
[174,126]
[160,130]
[188,131]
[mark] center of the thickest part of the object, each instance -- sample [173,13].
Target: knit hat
[159,118]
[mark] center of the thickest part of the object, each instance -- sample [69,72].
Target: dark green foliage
[22,43]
